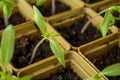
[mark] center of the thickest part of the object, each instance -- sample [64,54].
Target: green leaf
[10,1]
[7,45]
[96,77]
[9,76]
[13,79]
[39,20]
[40,2]
[25,78]
[112,20]
[117,18]
[0,55]
[108,20]
[116,8]
[58,52]
[3,0]
[48,35]
[112,70]
[54,34]
[7,11]
[2,4]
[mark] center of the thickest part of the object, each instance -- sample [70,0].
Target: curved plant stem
[6,21]
[3,69]
[35,50]
[53,7]
[87,1]
[89,21]
[117,18]
[119,43]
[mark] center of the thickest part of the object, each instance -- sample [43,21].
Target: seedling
[108,21]
[38,2]
[41,2]
[112,70]
[56,49]
[6,5]
[6,54]
[87,1]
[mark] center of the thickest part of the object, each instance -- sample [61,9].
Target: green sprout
[41,2]
[38,2]
[108,21]
[6,5]
[6,54]
[112,70]
[56,49]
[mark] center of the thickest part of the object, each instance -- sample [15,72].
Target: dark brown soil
[15,19]
[117,22]
[72,33]
[112,56]
[91,1]
[60,7]
[66,74]
[23,50]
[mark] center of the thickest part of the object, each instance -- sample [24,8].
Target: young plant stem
[6,21]
[119,43]
[117,18]
[87,1]
[89,21]
[3,68]
[53,7]
[35,50]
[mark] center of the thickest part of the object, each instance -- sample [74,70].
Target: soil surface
[15,19]
[73,35]
[60,7]
[112,56]
[91,1]
[117,22]
[66,74]
[23,50]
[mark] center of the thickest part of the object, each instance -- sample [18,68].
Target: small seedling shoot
[56,49]
[112,70]
[41,2]
[108,21]
[6,5]
[6,54]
